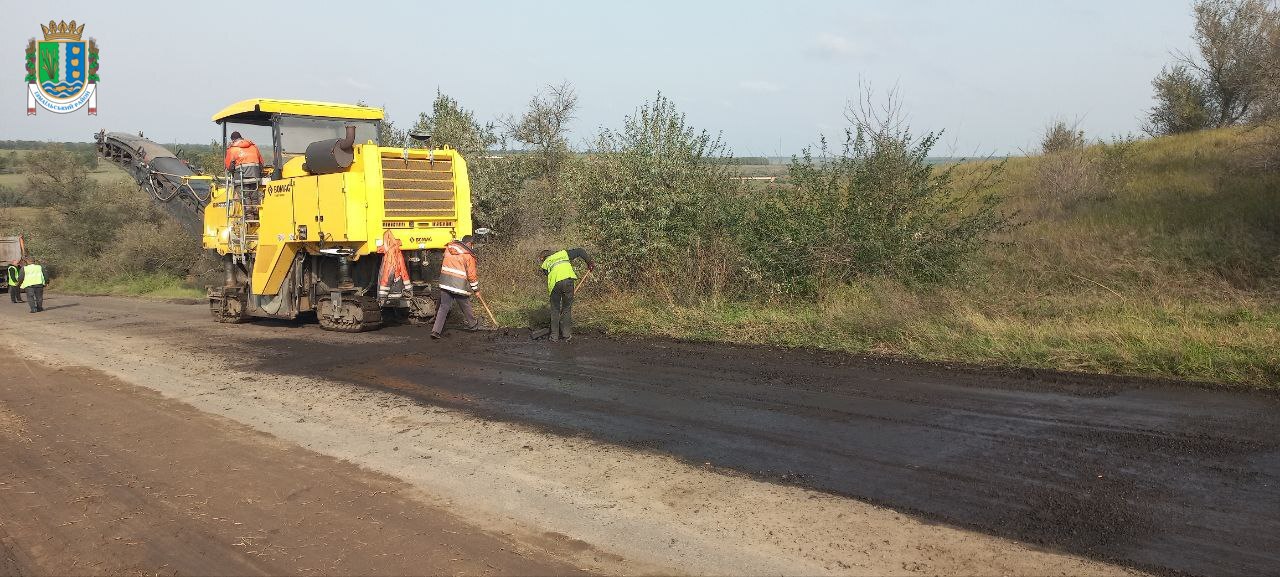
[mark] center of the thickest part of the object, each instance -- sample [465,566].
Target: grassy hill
[1170,271]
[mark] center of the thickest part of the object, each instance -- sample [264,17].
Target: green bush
[650,201]
[876,208]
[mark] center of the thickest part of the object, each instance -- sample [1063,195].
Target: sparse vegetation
[1173,275]
[89,232]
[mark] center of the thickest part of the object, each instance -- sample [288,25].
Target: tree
[1232,43]
[1182,103]
[544,128]
[388,134]
[88,224]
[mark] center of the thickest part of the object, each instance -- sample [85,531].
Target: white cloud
[761,86]
[828,45]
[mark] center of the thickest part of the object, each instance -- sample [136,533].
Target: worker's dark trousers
[35,297]
[562,309]
[15,293]
[446,302]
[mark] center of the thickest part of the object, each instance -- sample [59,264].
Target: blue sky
[770,76]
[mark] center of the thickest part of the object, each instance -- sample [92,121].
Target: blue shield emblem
[62,69]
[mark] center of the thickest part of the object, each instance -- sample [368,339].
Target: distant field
[105,173]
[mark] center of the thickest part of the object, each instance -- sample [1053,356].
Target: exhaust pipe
[332,155]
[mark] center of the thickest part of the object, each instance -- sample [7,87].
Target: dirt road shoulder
[99,476]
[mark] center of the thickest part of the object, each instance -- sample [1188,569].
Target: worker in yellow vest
[558,266]
[13,274]
[33,283]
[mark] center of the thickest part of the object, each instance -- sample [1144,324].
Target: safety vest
[32,274]
[458,270]
[13,275]
[558,268]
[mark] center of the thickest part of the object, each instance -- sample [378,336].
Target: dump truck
[330,212]
[12,249]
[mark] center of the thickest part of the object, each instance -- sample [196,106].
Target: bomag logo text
[280,189]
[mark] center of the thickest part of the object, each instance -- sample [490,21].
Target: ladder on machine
[244,203]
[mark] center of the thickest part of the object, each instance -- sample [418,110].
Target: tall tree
[1232,43]
[544,128]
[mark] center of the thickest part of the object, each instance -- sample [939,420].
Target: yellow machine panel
[424,199]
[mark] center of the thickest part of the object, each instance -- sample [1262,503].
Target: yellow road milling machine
[333,225]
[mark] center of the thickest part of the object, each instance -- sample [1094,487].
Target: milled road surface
[1158,477]
[1152,476]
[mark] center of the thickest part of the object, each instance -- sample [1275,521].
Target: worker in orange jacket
[245,164]
[243,153]
[458,281]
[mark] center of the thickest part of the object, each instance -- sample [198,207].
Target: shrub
[1069,176]
[11,197]
[649,199]
[878,207]
[1059,137]
[1182,103]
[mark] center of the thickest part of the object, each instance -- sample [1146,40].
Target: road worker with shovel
[562,284]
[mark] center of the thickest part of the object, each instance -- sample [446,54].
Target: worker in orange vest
[245,164]
[242,153]
[458,281]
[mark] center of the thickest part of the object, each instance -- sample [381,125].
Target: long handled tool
[585,276]
[488,311]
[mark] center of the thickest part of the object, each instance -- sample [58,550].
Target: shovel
[488,311]
[585,276]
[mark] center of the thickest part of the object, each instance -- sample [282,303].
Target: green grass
[1234,343]
[151,286]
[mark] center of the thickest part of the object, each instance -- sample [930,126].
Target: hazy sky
[770,76]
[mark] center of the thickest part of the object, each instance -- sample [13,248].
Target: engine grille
[418,188]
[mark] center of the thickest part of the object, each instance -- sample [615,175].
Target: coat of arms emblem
[62,70]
